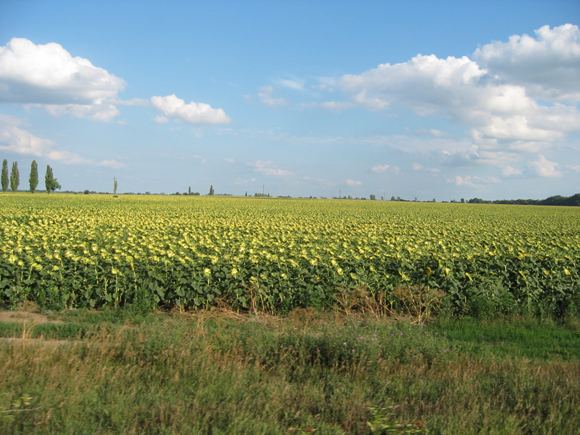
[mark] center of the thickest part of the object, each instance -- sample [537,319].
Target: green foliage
[51,184]
[115,185]
[277,255]
[33,180]
[5,175]
[14,177]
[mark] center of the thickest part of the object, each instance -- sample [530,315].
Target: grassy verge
[116,371]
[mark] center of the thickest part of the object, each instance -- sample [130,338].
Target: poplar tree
[50,182]
[14,177]
[115,185]
[33,180]
[5,175]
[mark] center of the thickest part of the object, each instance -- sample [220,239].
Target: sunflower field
[68,251]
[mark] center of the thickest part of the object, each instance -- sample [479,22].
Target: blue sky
[413,99]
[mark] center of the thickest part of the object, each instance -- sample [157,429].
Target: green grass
[212,372]
[515,338]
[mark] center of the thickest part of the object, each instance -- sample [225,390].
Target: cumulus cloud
[421,82]
[171,106]
[460,88]
[383,168]
[268,168]
[545,168]
[513,97]
[265,94]
[14,138]
[352,183]
[547,63]
[47,75]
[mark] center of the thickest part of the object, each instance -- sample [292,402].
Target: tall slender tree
[5,175]
[211,190]
[33,180]
[48,177]
[115,185]
[14,177]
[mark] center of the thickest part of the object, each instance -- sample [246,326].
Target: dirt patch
[34,341]
[25,317]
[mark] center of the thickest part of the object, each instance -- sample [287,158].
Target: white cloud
[417,166]
[265,94]
[504,113]
[510,171]
[472,180]
[545,168]
[517,128]
[422,82]
[547,64]
[194,113]
[383,168]
[295,85]
[268,168]
[15,139]
[352,183]
[48,76]
[460,88]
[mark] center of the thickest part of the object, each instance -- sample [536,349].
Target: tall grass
[226,373]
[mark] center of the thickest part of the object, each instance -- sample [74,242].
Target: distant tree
[189,190]
[372,197]
[48,178]
[462,200]
[14,177]
[115,185]
[33,180]
[50,182]
[211,190]
[5,175]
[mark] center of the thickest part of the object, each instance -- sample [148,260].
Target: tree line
[12,180]
[573,201]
